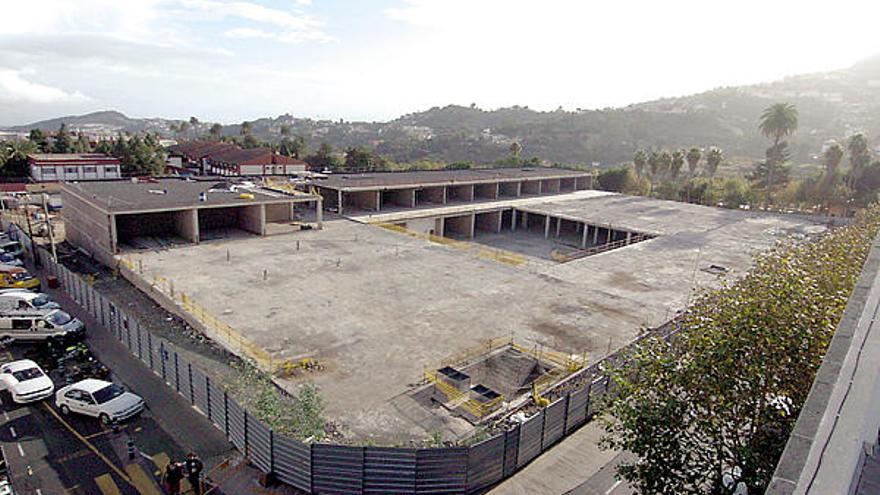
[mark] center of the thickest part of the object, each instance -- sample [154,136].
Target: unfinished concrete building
[376,192]
[107,217]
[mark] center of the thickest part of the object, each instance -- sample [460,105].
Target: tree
[323,158]
[246,128]
[250,141]
[62,142]
[654,164]
[693,157]
[677,161]
[215,131]
[515,149]
[831,158]
[777,122]
[859,157]
[14,156]
[82,144]
[362,159]
[664,163]
[182,128]
[292,146]
[640,159]
[285,130]
[194,125]
[725,393]
[623,180]
[714,157]
[39,139]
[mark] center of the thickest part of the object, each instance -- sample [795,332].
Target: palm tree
[246,128]
[664,162]
[194,124]
[693,157]
[515,149]
[859,157]
[215,131]
[831,158]
[640,159]
[285,130]
[778,121]
[676,163]
[714,157]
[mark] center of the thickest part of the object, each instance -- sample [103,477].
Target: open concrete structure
[380,191]
[107,217]
[377,307]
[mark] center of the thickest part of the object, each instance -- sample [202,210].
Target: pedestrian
[171,477]
[193,467]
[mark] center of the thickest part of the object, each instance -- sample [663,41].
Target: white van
[25,299]
[12,247]
[37,325]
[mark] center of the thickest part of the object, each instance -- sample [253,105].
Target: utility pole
[49,226]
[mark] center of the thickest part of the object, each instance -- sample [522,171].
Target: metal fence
[324,468]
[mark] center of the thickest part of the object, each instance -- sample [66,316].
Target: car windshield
[28,374]
[40,300]
[60,318]
[6,257]
[22,276]
[108,393]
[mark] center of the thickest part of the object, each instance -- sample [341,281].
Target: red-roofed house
[52,167]
[218,158]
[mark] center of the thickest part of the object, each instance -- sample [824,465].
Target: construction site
[417,322]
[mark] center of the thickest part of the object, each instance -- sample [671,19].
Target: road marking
[38,492]
[89,445]
[161,460]
[107,485]
[613,487]
[93,435]
[12,430]
[20,450]
[6,416]
[142,482]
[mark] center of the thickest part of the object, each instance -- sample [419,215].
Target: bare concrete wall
[568,185]
[362,200]
[279,213]
[186,223]
[486,191]
[462,226]
[422,225]
[550,186]
[531,187]
[489,221]
[433,195]
[88,227]
[460,193]
[253,219]
[400,197]
[583,183]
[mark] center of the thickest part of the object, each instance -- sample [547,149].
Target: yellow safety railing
[568,362]
[462,399]
[609,246]
[469,354]
[493,254]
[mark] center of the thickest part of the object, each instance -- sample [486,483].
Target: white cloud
[15,88]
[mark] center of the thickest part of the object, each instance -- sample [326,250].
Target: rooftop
[127,196]
[442,177]
[71,158]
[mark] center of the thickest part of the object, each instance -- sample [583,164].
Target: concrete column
[438,226]
[584,236]
[628,237]
[519,189]
[473,225]
[186,223]
[610,231]
[547,226]
[319,213]
[595,234]
[500,221]
[558,226]
[378,200]
[525,220]
[513,220]
[339,202]
[113,235]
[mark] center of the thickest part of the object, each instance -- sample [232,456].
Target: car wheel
[105,419]
[65,410]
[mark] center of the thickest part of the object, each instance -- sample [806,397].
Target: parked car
[38,325]
[25,299]
[16,277]
[8,259]
[12,247]
[100,399]
[25,381]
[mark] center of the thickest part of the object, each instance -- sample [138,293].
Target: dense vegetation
[722,397]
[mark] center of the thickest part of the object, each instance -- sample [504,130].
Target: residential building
[51,167]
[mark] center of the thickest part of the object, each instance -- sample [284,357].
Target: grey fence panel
[139,337]
[554,423]
[337,469]
[530,439]
[577,408]
[218,406]
[597,392]
[200,390]
[259,444]
[511,450]
[236,425]
[389,470]
[183,371]
[293,462]
[441,471]
[485,463]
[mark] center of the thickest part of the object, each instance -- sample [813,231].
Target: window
[48,170]
[20,324]
[90,170]
[70,170]
[110,170]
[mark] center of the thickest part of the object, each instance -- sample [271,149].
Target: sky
[235,60]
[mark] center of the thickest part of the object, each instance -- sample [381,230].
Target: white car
[25,381]
[100,399]
[25,299]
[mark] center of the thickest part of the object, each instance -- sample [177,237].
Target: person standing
[172,477]
[193,467]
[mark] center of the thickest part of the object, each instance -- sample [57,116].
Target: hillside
[832,105]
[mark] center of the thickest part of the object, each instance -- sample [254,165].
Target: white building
[51,167]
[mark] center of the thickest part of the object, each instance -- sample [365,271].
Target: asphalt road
[49,454]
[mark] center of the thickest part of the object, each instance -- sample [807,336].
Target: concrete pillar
[610,231]
[339,202]
[186,223]
[584,236]
[500,221]
[558,226]
[473,225]
[113,235]
[595,234]
[628,237]
[547,226]
[513,220]
[438,226]
[319,213]
[378,200]
[525,220]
